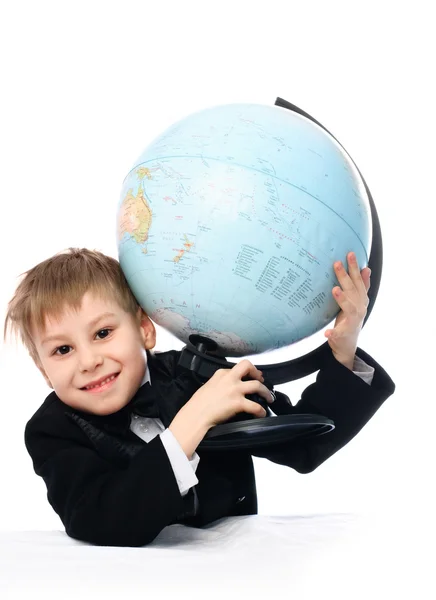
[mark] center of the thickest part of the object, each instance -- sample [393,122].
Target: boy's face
[99,345]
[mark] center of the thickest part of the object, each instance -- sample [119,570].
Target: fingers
[356,274]
[366,272]
[248,406]
[245,368]
[352,297]
[354,280]
[255,387]
[252,380]
[247,379]
[348,280]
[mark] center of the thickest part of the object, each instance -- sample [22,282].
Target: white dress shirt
[184,468]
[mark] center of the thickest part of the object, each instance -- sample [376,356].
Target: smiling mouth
[104,385]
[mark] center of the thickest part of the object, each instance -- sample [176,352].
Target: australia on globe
[230,221]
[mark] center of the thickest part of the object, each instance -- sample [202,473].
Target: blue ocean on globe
[230,221]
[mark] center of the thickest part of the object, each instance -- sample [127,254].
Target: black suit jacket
[109,487]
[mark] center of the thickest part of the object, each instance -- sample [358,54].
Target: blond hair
[59,282]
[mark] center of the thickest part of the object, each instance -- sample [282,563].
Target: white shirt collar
[146,377]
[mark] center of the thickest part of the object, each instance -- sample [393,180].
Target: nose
[89,359]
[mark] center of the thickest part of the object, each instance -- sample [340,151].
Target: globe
[229,224]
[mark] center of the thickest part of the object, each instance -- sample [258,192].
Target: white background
[87,85]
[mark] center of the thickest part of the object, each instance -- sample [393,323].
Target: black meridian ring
[194,355]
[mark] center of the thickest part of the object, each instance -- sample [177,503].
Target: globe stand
[245,430]
[201,357]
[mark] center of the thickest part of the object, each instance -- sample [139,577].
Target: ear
[148,331]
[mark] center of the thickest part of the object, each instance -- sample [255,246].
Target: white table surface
[336,556]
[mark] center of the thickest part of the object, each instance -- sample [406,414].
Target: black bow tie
[164,397]
[144,403]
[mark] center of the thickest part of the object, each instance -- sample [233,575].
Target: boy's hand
[223,395]
[218,400]
[353,300]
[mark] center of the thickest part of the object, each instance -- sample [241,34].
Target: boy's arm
[99,502]
[184,467]
[342,396]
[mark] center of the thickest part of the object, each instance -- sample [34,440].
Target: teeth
[90,387]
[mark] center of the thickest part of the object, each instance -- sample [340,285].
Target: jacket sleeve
[97,501]
[337,394]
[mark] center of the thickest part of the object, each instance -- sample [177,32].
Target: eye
[62,350]
[103,333]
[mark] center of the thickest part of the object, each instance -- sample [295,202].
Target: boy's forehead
[89,308]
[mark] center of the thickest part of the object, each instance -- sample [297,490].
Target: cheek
[60,374]
[136,361]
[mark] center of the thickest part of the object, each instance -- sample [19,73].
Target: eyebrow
[91,324]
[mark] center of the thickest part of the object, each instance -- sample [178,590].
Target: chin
[110,409]
[102,409]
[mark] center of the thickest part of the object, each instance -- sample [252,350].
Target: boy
[116,440]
